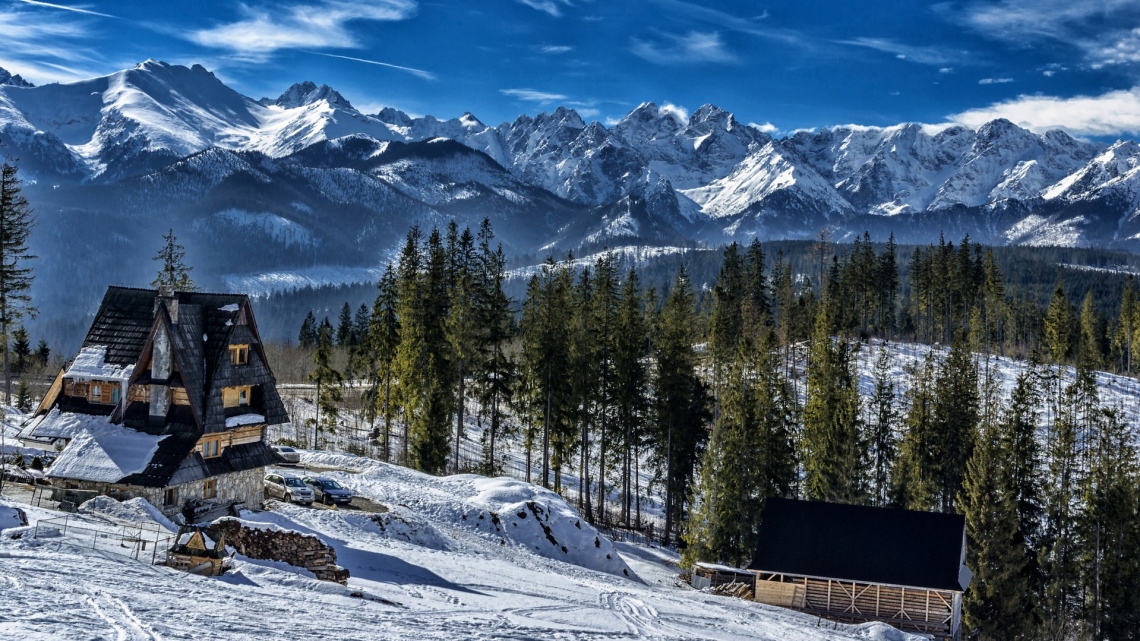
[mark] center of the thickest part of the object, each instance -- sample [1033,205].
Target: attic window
[239,354]
[211,448]
[236,396]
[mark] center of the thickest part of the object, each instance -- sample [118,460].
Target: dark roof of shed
[859,543]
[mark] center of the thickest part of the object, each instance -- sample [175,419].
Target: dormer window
[239,354]
[236,396]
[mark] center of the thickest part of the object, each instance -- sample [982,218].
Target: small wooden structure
[711,575]
[194,552]
[854,564]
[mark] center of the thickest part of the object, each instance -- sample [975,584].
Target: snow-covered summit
[306,93]
[7,78]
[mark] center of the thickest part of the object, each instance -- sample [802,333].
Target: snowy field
[429,568]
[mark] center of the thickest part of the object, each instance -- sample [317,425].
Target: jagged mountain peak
[10,80]
[306,93]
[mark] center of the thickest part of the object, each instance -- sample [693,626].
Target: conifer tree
[605,310]
[174,274]
[24,396]
[42,354]
[1126,325]
[497,372]
[307,337]
[681,407]
[21,349]
[630,382]
[1023,466]
[834,451]
[328,381]
[994,602]
[914,478]
[16,222]
[384,340]
[726,320]
[1089,345]
[882,428]
[429,421]
[463,328]
[956,416]
[410,363]
[583,372]
[344,327]
[1110,532]
[1059,325]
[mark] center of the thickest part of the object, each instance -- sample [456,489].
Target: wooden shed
[854,563]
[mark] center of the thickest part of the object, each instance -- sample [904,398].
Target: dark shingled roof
[859,543]
[122,323]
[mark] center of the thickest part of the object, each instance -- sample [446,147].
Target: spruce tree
[410,365]
[16,222]
[681,407]
[914,477]
[307,337]
[1089,343]
[630,383]
[384,338]
[42,354]
[344,327]
[328,382]
[993,605]
[834,450]
[24,396]
[463,327]
[1023,466]
[497,374]
[174,274]
[610,437]
[882,428]
[430,421]
[956,416]
[1059,325]
[21,349]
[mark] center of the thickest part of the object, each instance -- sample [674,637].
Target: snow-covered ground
[428,568]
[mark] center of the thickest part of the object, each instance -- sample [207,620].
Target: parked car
[328,491]
[286,454]
[287,488]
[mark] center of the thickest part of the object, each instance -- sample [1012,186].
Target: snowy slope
[459,584]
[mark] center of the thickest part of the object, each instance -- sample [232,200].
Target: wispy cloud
[46,46]
[556,49]
[679,113]
[690,48]
[754,25]
[66,8]
[994,81]
[765,127]
[1103,30]
[530,95]
[426,75]
[264,30]
[936,56]
[552,7]
[1115,113]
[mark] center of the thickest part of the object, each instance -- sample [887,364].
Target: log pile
[302,550]
[738,590]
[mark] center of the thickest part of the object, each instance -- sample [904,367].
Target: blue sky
[781,65]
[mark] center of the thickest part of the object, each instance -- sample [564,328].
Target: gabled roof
[860,543]
[122,324]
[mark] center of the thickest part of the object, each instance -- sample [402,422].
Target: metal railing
[134,541]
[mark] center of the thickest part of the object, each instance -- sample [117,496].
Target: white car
[287,488]
[286,454]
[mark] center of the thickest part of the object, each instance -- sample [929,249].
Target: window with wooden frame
[170,496]
[236,396]
[211,448]
[96,393]
[239,354]
[210,489]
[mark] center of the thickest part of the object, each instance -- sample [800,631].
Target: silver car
[286,454]
[287,488]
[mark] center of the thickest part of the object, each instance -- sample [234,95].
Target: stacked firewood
[736,589]
[302,550]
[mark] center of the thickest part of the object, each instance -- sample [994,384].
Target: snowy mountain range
[305,181]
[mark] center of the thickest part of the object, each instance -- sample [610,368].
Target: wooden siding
[231,396]
[911,609]
[238,436]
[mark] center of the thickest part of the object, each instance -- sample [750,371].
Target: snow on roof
[232,307]
[91,364]
[105,453]
[58,424]
[244,419]
[186,536]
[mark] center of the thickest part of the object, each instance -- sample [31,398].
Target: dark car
[328,491]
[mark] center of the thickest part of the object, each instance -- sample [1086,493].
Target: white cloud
[555,49]
[530,95]
[264,30]
[1103,30]
[766,127]
[49,5]
[588,112]
[552,7]
[946,70]
[47,46]
[752,26]
[920,55]
[1115,113]
[693,47]
[670,109]
[994,81]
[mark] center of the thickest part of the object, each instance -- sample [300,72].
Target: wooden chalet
[854,563]
[169,399]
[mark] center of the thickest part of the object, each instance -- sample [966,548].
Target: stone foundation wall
[302,550]
[245,486]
